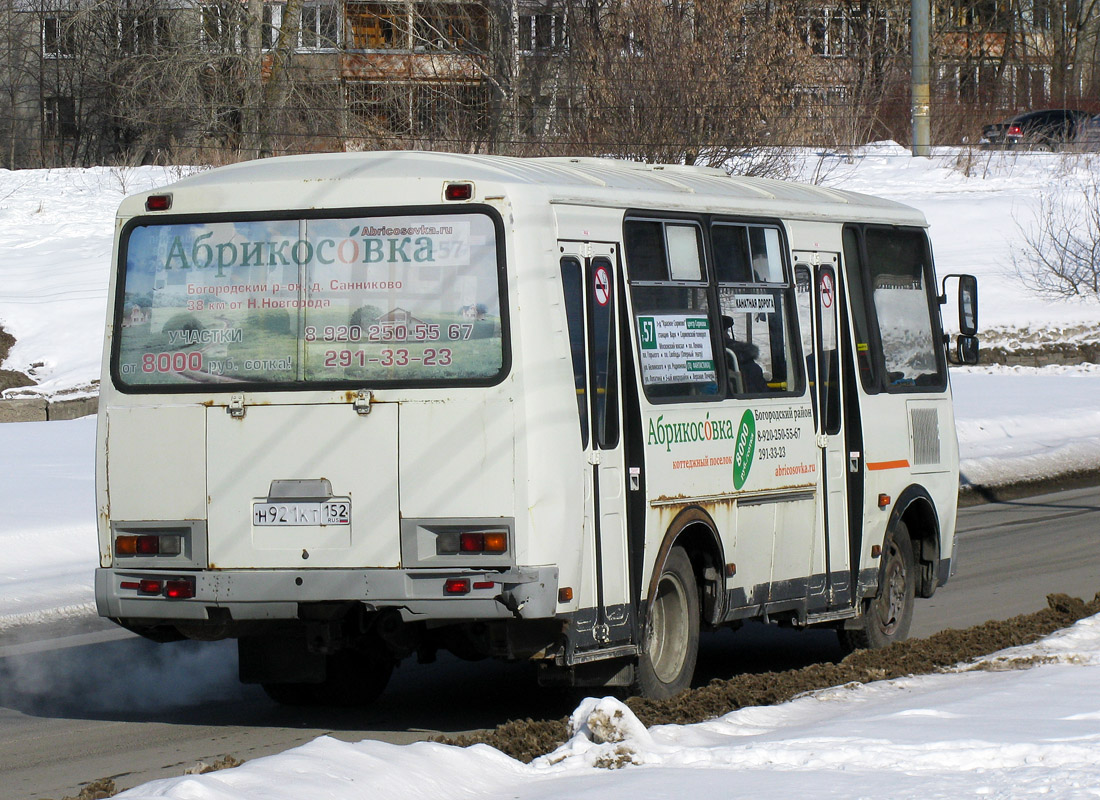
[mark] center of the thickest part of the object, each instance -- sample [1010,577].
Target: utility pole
[919,25]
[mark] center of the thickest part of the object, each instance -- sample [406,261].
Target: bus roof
[346,180]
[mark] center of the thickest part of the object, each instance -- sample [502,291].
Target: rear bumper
[517,592]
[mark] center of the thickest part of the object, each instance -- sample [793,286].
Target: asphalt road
[81,700]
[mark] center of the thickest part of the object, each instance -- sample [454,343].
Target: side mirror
[966,349]
[968,306]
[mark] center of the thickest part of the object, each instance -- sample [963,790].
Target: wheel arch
[694,530]
[916,508]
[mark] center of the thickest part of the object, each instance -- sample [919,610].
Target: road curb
[978,494]
[39,409]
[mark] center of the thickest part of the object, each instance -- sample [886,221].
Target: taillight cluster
[472,543]
[172,588]
[1015,130]
[455,586]
[148,544]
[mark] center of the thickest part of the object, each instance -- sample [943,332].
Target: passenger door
[592,304]
[827,370]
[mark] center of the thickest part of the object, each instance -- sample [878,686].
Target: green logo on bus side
[744,449]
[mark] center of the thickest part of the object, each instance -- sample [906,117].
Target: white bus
[357,407]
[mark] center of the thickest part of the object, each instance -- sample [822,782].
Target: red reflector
[130,585]
[484,585]
[471,542]
[456,586]
[458,191]
[158,202]
[149,586]
[179,590]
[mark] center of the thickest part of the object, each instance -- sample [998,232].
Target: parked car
[1049,129]
[1088,135]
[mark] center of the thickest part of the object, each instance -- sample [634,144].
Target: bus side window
[853,263]
[572,281]
[668,286]
[827,353]
[803,299]
[754,307]
[605,371]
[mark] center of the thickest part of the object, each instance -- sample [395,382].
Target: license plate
[336,511]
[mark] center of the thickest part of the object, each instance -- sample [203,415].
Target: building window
[58,117]
[143,33]
[58,36]
[827,32]
[320,26]
[452,26]
[378,26]
[541,32]
[1042,15]
[990,15]
[221,27]
[269,26]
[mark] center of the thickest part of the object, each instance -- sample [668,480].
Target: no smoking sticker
[827,290]
[601,285]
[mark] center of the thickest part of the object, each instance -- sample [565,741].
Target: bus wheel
[352,678]
[667,663]
[887,617]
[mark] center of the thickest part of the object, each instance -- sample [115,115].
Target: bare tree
[861,50]
[18,99]
[1061,252]
[688,82]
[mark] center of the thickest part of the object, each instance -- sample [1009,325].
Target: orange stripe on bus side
[903,464]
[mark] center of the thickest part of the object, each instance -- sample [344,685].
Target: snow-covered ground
[1009,733]
[997,733]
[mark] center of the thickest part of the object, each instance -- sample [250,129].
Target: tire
[352,678]
[671,634]
[886,617]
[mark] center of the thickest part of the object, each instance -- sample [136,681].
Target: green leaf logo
[744,449]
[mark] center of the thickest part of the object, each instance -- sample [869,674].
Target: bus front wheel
[887,616]
[671,643]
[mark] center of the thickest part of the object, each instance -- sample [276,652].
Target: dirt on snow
[530,738]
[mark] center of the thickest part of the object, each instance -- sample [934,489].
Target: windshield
[385,300]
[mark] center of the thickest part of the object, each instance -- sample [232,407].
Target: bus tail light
[180,589]
[158,202]
[456,586]
[148,545]
[174,588]
[483,542]
[458,191]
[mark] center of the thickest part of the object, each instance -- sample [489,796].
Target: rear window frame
[148,220]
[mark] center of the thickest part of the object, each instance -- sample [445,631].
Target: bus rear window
[368,301]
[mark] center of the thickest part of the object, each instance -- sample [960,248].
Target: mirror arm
[943,286]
